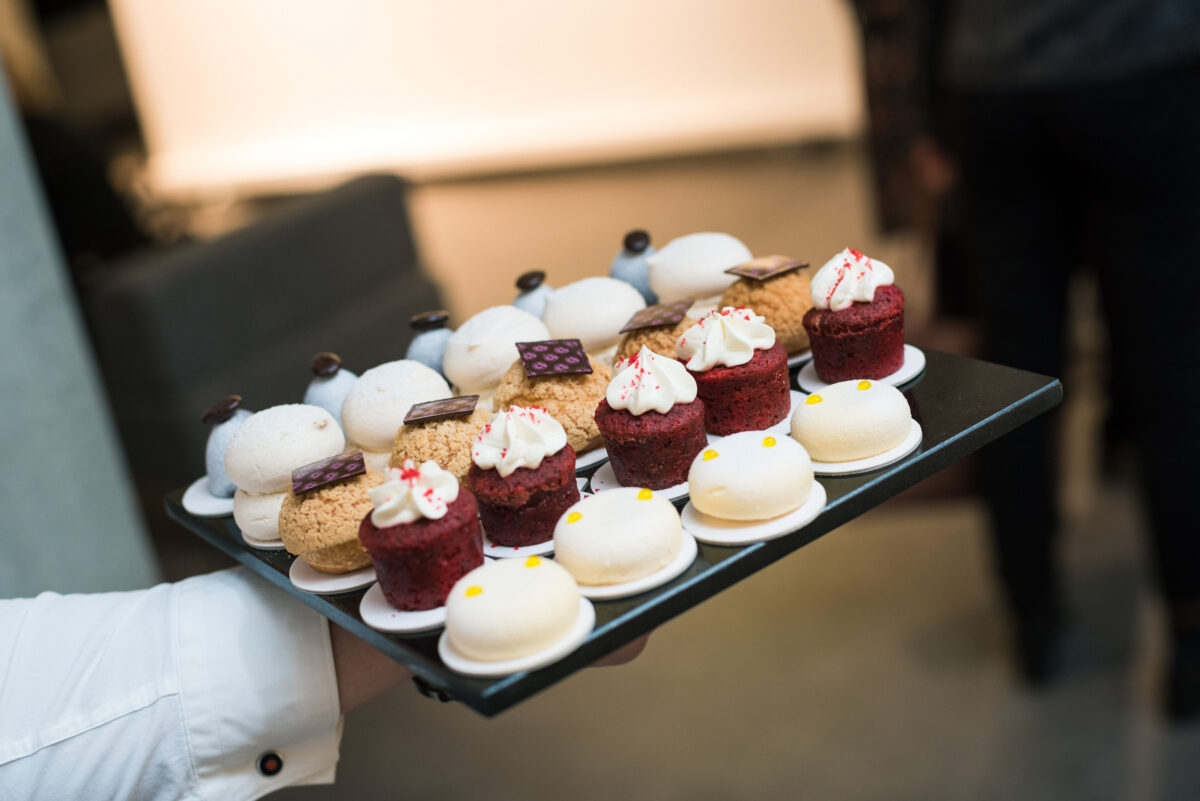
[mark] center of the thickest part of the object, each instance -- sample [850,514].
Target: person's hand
[626,653]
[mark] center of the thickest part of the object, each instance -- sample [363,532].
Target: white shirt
[174,692]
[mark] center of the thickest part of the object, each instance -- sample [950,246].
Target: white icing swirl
[727,337]
[848,277]
[648,381]
[519,437]
[410,493]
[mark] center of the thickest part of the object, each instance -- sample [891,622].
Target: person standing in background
[1072,130]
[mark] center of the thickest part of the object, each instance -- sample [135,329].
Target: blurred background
[229,187]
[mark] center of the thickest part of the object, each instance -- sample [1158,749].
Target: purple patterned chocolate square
[765,267]
[441,409]
[553,357]
[328,471]
[654,316]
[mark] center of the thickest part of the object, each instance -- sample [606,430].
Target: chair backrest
[177,330]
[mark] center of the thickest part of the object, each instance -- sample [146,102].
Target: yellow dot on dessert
[864,384]
[709,455]
[811,399]
[645,494]
[573,517]
[533,561]
[473,590]
[768,442]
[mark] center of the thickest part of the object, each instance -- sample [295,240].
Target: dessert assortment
[619,537]
[523,475]
[570,395]
[673,371]
[329,384]
[260,459]
[211,495]
[856,323]
[513,614]
[379,400]
[440,431]
[779,289]
[629,265]
[480,351]
[593,311]
[651,420]
[853,426]
[749,487]
[428,345]
[693,267]
[422,535]
[319,522]
[740,370]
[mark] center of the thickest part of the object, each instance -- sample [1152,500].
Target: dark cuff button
[269,763]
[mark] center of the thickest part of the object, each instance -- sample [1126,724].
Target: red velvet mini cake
[651,420]
[422,537]
[523,475]
[740,370]
[856,325]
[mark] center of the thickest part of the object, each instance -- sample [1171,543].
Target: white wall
[269,94]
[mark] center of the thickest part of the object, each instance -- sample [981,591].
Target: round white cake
[377,402]
[751,475]
[272,443]
[694,266]
[480,351]
[257,516]
[592,310]
[851,420]
[511,608]
[617,536]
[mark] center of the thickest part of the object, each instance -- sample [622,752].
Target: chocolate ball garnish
[430,320]
[325,364]
[531,280]
[222,410]
[637,241]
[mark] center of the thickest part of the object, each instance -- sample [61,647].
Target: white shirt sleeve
[175,692]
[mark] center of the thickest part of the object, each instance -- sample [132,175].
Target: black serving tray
[962,404]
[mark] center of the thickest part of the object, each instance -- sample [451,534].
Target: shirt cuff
[258,686]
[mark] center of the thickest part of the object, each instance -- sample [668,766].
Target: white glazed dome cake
[752,475]
[511,608]
[851,420]
[617,536]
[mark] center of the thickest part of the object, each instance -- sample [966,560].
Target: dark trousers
[1103,177]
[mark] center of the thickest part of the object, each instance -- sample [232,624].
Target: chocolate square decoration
[553,357]
[441,409]
[765,267]
[328,471]
[654,316]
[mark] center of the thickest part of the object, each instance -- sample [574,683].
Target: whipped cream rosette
[520,437]
[411,493]
[848,277]
[740,370]
[648,381]
[728,337]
